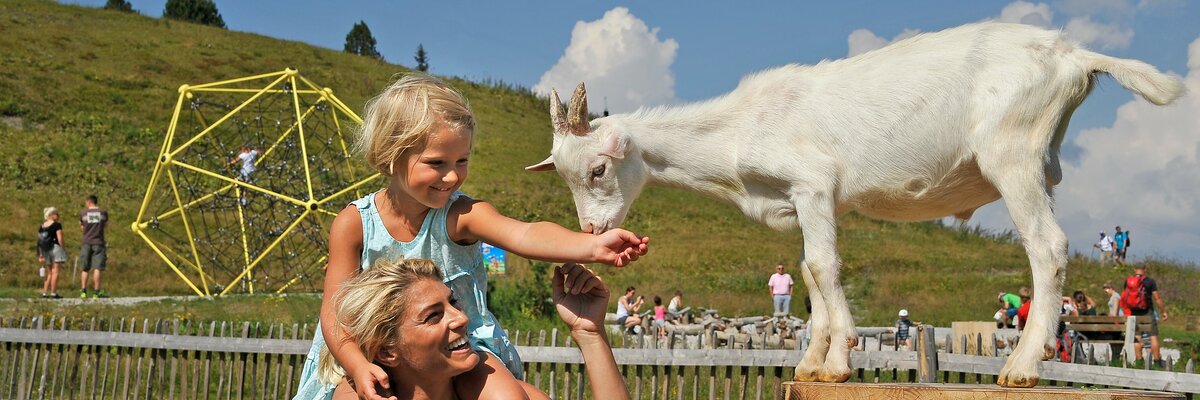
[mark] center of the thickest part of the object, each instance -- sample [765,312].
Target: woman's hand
[580,297]
[620,247]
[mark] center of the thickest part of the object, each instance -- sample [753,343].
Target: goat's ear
[616,145]
[558,118]
[545,165]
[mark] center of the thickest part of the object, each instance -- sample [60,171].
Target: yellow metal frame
[193,266]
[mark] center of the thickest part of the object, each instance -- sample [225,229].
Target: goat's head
[598,161]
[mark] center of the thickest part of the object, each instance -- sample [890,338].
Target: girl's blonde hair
[48,211]
[369,305]
[405,115]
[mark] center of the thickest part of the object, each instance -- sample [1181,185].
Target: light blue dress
[464,273]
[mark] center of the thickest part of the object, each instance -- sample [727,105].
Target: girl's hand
[580,297]
[620,247]
[365,379]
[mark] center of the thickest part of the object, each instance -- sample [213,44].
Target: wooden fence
[134,359]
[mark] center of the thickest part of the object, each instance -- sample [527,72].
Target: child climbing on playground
[419,134]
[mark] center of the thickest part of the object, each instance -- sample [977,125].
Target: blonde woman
[50,251]
[405,320]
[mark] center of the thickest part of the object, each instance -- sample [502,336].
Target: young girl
[660,316]
[419,133]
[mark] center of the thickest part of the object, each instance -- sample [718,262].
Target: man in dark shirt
[1154,302]
[94,254]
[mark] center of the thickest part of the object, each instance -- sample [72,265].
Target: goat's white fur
[935,125]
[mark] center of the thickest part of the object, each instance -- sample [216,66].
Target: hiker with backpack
[50,251]
[1140,297]
[1121,239]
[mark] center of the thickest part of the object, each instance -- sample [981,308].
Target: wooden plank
[287,387]
[38,380]
[1099,319]
[128,357]
[208,363]
[241,374]
[10,370]
[174,363]
[818,390]
[147,340]
[928,353]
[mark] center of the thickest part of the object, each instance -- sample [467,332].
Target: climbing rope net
[248,179]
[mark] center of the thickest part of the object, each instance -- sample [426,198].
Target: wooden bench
[1106,329]
[1117,332]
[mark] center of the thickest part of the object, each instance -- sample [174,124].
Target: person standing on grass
[94,252]
[50,251]
[1140,297]
[1106,248]
[1121,239]
[781,291]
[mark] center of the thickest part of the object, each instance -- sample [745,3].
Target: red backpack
[1134,295]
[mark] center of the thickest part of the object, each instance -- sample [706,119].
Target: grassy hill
[86,95]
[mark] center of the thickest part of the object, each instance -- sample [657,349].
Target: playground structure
[225,224]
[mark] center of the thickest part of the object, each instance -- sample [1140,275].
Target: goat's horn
[556,113]
[577,113]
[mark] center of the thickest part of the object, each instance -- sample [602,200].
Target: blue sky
[1134,168]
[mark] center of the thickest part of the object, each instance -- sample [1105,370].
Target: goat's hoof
[835,376]
[1014,375]
[1016,380]
[806,375]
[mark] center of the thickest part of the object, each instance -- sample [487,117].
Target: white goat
[935,125]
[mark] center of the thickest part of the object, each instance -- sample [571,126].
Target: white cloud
[618,57]
[863,40]
[1107,36]
[1087,22]
[1107,9]
[1021,12]
[1140,173]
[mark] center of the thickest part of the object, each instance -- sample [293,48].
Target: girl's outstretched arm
[345,246]
[477,220]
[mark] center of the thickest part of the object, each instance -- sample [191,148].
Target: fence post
[927,354]
[1130,331]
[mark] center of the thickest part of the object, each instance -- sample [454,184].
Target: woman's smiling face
[433,333]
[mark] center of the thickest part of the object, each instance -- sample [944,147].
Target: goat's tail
[1139,77]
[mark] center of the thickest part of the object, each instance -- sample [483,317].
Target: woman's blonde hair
[405,115]
[48,211]
[369,305]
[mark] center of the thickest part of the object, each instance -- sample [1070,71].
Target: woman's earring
[391,168]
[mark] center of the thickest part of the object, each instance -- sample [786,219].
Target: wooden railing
[57,358]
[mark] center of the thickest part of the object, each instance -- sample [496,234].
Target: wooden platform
[940,391]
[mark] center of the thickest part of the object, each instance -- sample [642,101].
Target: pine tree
[197,11]
[119,5]
[360,41]
[422,59]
